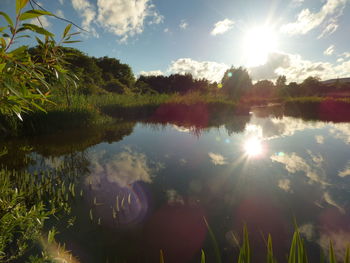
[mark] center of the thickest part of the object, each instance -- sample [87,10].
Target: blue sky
[296,38]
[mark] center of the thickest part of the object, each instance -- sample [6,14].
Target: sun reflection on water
[253,147]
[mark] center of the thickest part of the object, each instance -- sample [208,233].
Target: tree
[263,88]
[281,82]
[235,82]
[311,86]
[113,69]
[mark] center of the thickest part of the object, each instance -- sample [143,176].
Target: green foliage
[236,82]
[25,82]
[26,202]
[116,86]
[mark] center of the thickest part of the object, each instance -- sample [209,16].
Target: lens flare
[253,147]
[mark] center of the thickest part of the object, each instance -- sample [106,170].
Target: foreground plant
[25,80]
[26,202]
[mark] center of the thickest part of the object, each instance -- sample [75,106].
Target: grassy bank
[319,108]
[95,110]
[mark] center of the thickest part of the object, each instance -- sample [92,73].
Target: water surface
[147,185]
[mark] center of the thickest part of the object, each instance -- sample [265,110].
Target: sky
[295,38]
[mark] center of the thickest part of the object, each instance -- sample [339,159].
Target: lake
[148,185]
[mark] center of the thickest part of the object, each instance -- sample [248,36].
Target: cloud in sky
[308,20]
[296,68]
[151,73]
[183,24]
[124,18]
[329,29]
[61,2]
[222,26]
[43,20]
[212,71]
[329,51]
[88,13]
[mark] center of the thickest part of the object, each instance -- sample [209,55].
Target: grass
[97,110]
[297,252]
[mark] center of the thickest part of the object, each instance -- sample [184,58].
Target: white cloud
[307,20]
[183,24]
[43,21]
[319,139]
[295,68]
[126,18]
[329,29]
[346,54]
[166,30]
[268,70]
[87,11]
[327,197]
[61,2]
[307,230]
[151,73]
[345,171]
[341,131]
[294,163]
[124,168]
[329,51]
[212,71]
[284,184]
[222,27]
[217,159]
[59,13]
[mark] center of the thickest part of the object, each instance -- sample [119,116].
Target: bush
[115,86]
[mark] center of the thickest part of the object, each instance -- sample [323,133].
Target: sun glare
[258,43]
[253,147]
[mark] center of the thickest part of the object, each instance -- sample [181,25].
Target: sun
[253,147]
[258,43]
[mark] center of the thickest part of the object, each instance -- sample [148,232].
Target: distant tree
[113,69]
[263,88]
[281,82]
[235,82]
[292,89]
[311,86]
[116,86]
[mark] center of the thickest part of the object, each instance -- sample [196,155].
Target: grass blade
[203,257]
[215,243]
[332,258]
[347,255]
[161,256]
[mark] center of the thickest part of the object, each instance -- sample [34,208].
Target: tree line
[105,74]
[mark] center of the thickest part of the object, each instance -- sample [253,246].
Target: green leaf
[203,257]
[19,50]
[66,30]
[347,255]
[33,14]
[72,41]
[20,4]
[161,256]
[3,42]
[2,66]
[38,29]
[8,19]
[332,258]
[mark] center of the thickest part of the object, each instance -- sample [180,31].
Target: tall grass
[297,252]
